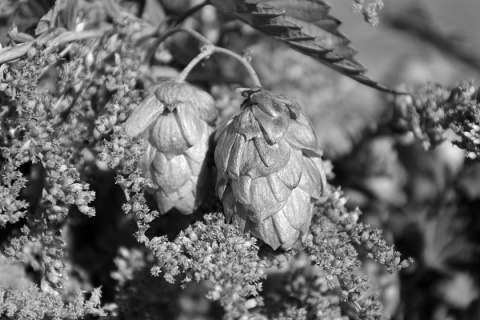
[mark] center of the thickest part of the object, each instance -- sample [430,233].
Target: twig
[211,49]
[171,32]
[251,72]
[206,52]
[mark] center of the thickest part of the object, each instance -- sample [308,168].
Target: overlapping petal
[143,116]
[246,124]
[173,94]
[241,189]
[273,156]
[191,127]
[263,203]
[176,120]
[297,210]
[204,106]
[313,179]
[273,129]
[165,135]
[170,174]
[196,154]
[291,173]
[269,169]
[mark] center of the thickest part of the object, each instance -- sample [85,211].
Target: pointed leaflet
[143,116]
[306,27]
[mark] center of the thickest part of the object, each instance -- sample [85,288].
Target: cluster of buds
[175,121]
[269,169]
[269,166]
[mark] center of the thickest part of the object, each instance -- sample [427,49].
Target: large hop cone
[176,120]
[269,169]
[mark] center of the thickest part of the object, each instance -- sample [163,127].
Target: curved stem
[206,52]
[251,72]
[211,49]
[171,32]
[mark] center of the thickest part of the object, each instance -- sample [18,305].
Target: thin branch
[211,49]
[251,72]
[206,52]
[163,37]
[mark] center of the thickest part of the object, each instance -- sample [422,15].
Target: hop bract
[269,169]
[175,120]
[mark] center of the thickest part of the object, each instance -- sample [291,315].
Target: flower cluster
[464,120]
[310,295]
[334,231]
[47,138]
[360,233]
[217,252]
[434,109]
[22,299]
[369,10]
[71,115]
[422,114]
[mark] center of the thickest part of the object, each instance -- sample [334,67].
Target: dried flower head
[269,169]
[176,121]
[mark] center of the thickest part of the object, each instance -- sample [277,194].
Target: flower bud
[176,121]
[269,169]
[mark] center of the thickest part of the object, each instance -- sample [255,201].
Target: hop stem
[211,49]
[166,35]
[251,72]
[208,50]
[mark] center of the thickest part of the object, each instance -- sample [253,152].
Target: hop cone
[269,169]
[176,121]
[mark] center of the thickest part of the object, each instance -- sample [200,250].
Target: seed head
[176,121]
[269,169]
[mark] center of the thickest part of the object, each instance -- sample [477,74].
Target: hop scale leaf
[269,169]
[175,120]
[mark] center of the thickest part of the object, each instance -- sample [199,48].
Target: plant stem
[171,32]
[206,52]
[173,23]
[211,49]
[251,72]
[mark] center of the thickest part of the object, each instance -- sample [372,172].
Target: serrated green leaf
[306,26]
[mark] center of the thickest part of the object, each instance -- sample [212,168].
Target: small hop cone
[269,169]
[176,121]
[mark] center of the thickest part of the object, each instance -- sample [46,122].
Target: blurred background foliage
[426,202]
